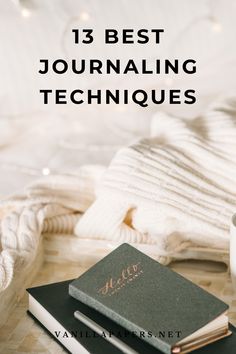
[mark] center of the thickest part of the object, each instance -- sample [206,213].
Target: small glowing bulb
[216,26]
[84,16]
[46,171]
[25,12]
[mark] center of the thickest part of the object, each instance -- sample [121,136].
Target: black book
[140,294]
[53,308]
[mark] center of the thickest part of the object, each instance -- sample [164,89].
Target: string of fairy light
[26,9]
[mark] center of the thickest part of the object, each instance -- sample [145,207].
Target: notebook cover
[55,299]
[140,294]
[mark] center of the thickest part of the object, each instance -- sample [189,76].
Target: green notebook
[160,306]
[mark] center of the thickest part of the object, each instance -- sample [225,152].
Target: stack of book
[129,303]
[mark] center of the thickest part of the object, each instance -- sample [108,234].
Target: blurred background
[37,140]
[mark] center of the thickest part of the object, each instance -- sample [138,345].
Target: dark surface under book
[55,299]
[140,294]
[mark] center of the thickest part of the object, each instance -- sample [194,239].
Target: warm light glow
[25,12]
[46,171]
[216,26]
[84,16]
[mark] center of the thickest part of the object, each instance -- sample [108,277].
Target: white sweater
[175,190]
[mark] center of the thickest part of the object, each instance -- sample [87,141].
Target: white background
[36,139]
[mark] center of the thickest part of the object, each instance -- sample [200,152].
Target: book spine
[120,320]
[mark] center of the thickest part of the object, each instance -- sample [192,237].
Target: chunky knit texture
[174,190]
[51,205]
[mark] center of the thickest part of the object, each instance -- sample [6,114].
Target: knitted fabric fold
[175,189]
[53,204]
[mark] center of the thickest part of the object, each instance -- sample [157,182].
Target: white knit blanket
[51,205]
[174,190]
